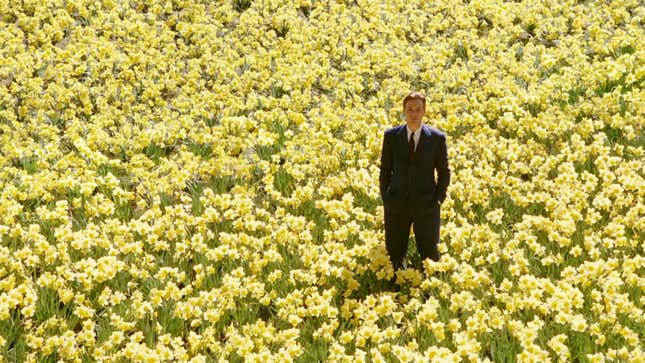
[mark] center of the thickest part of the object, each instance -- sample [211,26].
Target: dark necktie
[411,147]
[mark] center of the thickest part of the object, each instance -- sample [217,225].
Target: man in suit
[411,195]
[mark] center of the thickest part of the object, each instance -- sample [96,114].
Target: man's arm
[386,166]
[443,171]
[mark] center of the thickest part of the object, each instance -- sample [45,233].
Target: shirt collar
[417,132]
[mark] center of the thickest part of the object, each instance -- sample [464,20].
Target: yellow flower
[558,345]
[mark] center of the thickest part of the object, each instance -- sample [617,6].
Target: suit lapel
[424,139]
[403,138]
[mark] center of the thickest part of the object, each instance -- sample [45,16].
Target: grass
[203,150]
[284,182]
[26,163]
[15,347]
[222,184]
[155,152]
[241,5]
[500,346]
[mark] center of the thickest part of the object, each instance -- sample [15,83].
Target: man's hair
[414,96]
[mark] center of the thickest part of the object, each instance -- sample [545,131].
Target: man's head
[414,108]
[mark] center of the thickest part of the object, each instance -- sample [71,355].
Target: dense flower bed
[199,180]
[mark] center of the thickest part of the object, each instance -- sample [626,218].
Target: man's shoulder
[433,131]
[394,130]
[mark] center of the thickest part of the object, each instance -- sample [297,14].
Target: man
[411,196]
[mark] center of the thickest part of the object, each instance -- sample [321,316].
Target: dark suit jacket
[399,179]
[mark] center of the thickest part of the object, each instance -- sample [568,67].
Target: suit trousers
[425,223]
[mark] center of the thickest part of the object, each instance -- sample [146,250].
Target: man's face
[414,111]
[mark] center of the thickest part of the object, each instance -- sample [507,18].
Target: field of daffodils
[198,180]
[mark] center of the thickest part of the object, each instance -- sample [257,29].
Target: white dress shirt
[417,136]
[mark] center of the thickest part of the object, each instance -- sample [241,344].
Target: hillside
[198,181]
